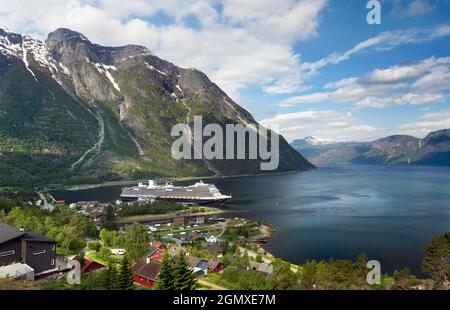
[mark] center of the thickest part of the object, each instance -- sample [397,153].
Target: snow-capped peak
[320,141]
[6,29]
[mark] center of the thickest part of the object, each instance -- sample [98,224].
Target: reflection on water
[389,212]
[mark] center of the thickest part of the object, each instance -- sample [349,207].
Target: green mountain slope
[72,111]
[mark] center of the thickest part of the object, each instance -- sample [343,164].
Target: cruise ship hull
[199,194]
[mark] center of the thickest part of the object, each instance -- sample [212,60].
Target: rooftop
[8,233]
[147,270]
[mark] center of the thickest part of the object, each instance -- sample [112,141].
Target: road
[211,285]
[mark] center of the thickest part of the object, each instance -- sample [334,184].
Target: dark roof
[149,271]
[152,250]
[34,237]
[8,233]
[193,261]
[215,248]
[212,264]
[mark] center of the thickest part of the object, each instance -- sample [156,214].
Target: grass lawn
[147,217]
[93,256]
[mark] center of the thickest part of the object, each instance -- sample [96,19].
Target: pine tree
[184,279]
[437,258]
[125,276]
[361,263]
[110,277]
[166,275]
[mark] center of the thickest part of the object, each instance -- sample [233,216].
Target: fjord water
[389,212]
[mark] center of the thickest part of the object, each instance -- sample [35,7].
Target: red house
[90,265]
[158,245]
[215,266]
[155,254]
[145,272]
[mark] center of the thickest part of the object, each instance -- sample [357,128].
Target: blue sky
[312,67]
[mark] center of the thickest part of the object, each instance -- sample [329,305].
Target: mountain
[434,149]
[72,111]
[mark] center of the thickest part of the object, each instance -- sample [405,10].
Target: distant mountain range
[434,149]
[72,111]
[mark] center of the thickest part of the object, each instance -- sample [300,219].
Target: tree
[80,258]
[104,253]
[361,263]
[184,279]
[283,278]
[308,274]
[107,237]
[404,280]
[94,246]
[437,259]
[259,258]
[165,277]
[125,278]
[136,241]
[110,277]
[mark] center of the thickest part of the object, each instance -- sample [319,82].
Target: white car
[120,252]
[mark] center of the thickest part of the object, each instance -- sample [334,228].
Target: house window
[52,262]
[39,252]
[7,253]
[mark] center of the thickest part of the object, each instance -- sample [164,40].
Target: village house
[36,251]
[215,249]
[178,221]
[155,254]
[145,272]
[199,266]
[158,244]
[263,268]
[215,266]
[94,210]
[211,239]
[90,265]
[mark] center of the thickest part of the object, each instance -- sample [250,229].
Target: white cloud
[327,124]
[403,99]
[410,84]
[281,20]
[420,129]
[413,8]
[382,42]
[235,48]
[435,115]
[316,97]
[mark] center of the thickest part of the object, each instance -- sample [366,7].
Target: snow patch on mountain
[27,65]
[104,69]
[154,69]
[320,141]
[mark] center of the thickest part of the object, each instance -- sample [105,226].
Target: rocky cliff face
[113,108]
[434,149]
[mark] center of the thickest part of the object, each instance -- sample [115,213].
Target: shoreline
[266,232]
[163,179]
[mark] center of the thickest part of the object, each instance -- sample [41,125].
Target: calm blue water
[390,213]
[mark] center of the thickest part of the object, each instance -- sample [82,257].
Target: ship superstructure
[200,193]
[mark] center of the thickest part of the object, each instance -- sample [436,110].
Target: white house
[211,239]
